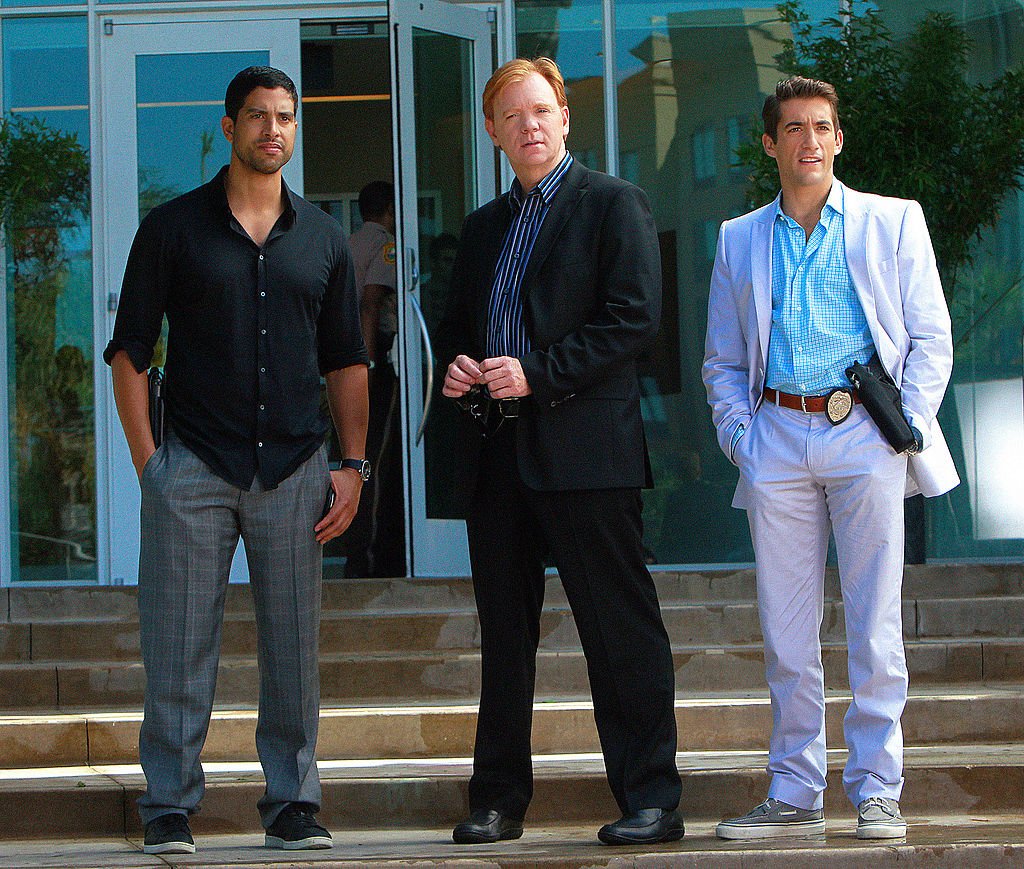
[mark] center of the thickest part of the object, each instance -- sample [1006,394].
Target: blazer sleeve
[726,367]
[627,309]
[929,363]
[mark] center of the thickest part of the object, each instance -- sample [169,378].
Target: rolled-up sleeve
[143,299]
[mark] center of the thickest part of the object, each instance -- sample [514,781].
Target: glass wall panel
[983,414]
[691,78]
[570,33]
[49,307]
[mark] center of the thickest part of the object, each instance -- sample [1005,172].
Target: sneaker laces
[302,814]
[879,803]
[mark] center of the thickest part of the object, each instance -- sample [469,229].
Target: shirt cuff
[737,435]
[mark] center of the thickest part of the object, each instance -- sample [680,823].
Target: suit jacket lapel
[761,279]
[855,239]
[573,188]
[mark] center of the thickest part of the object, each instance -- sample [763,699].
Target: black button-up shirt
[250,328]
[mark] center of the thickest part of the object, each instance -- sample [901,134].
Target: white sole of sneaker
[311,843]
[881,831]
[770,831]
[169,848]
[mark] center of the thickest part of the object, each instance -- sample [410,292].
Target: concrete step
[976,714]
[695,624]
[78,604]
[361,795]
[428,676]
[933,842]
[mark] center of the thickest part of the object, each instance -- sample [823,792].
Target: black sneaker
[296,829]
[169,834]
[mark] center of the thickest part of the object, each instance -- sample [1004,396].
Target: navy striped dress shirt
[506,333]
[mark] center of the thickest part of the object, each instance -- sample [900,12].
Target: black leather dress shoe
[646,827]
[487,825]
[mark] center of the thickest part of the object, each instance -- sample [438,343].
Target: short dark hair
[253,77]
[375,199]
[795,88]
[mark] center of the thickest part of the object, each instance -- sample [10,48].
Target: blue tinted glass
[180,103]
[46,64]
[49,303]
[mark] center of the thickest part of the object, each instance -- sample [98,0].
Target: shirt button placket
[262,356]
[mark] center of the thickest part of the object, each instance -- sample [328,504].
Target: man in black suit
[556,290]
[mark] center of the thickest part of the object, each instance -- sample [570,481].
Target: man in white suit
[802,288]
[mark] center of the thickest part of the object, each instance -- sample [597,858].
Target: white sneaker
[773,819]
[880,818]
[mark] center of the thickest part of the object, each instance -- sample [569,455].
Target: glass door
[162,101]
[442,56]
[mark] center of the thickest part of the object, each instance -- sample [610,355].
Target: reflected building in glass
[661,94]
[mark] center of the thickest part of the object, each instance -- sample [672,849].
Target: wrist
[361,467]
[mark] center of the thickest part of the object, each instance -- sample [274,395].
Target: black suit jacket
[592,304]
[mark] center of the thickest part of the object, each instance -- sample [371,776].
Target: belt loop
[803,404]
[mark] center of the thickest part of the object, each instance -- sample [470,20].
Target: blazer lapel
[761,279]
[855,239]
[573,188]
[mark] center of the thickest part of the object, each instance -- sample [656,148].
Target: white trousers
[805,477]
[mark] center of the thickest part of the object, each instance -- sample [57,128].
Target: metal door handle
[429,397]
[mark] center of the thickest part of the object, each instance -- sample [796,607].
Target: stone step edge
[559,607]
[466,653]
[981,755]
[973,692]
[992,842]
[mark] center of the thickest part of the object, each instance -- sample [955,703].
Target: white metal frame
[121,40]
[433,546]
[113,470]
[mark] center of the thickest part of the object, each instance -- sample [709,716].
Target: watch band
[360,466]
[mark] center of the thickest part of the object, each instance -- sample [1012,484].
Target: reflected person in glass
[556,290]
[802,289]
[258,289]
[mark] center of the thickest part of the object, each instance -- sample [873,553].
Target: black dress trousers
[595,540]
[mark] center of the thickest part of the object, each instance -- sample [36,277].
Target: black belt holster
[881,399]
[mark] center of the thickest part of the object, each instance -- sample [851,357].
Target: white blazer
[892,265]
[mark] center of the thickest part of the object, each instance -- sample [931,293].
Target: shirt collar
[833,205]
[219,197]
[547,187]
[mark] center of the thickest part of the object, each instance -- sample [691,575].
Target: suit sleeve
[929,363]
[627,312]
[726,368]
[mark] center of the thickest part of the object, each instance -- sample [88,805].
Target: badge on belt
[838,405]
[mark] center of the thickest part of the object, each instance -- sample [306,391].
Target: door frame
[119,528]
[434,547]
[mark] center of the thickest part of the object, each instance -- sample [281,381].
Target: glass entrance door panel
[442,58]
[163,138]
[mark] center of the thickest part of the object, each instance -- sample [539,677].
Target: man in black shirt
[258,289]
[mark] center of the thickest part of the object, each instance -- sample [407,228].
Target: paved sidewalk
[952,842]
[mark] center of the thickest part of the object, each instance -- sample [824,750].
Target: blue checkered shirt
[818,325]
[506,332]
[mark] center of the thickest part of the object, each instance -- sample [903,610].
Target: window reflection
[690,82]
[49,306]
[570,33]
[982,416]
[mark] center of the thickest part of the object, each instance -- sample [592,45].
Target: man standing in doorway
[802,289]
[375,542]
[556,291]
[258,290]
